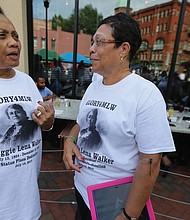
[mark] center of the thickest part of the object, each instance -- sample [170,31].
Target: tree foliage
[88,20]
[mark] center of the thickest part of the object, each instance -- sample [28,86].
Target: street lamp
[128,7]
[175,50]
[46,5]
[76,13]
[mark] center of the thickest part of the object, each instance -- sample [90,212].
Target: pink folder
[107,199]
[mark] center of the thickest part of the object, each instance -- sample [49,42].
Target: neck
[117,77]
[7,73]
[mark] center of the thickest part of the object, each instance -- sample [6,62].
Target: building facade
[59,41]
[158,27]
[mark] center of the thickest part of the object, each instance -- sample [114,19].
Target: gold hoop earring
[121,58]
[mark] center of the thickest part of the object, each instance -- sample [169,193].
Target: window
[148,30]
[141,56]
[160,29]
[160,56]
[184,45]
[165,28]
[153,56]
[53,44]
[43,42]
[156,56]
[145,30]
[157,27]
[35,42]
[159,44]
[144,45]
[166,13]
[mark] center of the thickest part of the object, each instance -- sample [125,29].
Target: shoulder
[142,83]
[145,92]
[26,79]
[47,90]
[22,74]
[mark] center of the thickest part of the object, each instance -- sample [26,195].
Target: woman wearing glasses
[131,121]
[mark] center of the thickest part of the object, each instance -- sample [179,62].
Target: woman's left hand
[44,115]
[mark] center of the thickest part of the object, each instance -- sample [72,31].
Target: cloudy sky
[106,7]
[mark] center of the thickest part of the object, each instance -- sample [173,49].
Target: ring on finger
[38,114]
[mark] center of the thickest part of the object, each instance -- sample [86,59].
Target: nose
[13,42]
[92,49]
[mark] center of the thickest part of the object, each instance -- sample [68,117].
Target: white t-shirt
[96,76]
[116,123]
[20,149]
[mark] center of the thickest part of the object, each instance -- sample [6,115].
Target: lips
[14,55]
[93,59]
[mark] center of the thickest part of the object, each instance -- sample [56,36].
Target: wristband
[127,216]
[71,137]
[48,129]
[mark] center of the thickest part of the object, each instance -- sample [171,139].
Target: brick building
[58,41]
[158,27]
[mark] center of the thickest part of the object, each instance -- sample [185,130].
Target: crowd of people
[59,77]
[180,89]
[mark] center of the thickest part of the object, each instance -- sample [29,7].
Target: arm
[48,97]
[143,183]
[71,150]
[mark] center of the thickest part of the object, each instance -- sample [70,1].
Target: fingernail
[82,158]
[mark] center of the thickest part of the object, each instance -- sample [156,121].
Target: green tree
[57,21]
[89,18]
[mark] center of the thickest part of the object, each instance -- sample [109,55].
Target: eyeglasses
[100,42]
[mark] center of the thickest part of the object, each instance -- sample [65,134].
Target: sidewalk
[170,198]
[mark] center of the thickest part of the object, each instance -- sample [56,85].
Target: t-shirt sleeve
[49,92]
[153,134]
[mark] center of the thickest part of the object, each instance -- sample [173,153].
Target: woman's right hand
[70,152]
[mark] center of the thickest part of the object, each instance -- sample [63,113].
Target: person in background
[177,90]
[45,92]
[21,159]
[131,121]
[162,83]
[146,73]
[56,84]
[39,68]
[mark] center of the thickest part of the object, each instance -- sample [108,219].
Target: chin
[15,64]
[95,70]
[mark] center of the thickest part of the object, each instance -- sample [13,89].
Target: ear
[125,49]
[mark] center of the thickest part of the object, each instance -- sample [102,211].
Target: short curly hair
[124,29]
